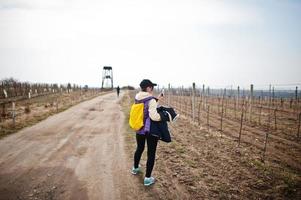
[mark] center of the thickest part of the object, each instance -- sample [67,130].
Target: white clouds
[190,38]
[98,18]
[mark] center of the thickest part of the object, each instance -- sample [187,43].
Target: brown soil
[86,152]
[202,164]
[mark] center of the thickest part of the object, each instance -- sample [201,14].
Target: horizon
[278,88]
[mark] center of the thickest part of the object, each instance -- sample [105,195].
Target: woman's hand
[160,99]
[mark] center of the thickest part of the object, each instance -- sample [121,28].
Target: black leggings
[152,142]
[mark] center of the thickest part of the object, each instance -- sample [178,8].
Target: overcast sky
[219,43]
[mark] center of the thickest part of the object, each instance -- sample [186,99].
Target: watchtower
[107,74]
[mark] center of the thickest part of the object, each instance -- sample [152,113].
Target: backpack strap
[144,100]
[146,127]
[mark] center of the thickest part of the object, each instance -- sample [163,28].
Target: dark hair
[144,88]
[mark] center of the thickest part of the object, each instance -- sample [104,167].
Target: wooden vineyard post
[237,98]
[175,99]
[267,133]
[296,95]
[27,107]
[245,110]
[241,120]
[235,109]
[219,104]
[208,115]
[181,101]
[226,103]
[259,118]
[193,102]
[260,109]
[251,102]
[275,118]
[299,124]
[199,113]
[205,103]
[183,104]
[191,110]
[186,105]
[168,97]
[222,113]
[178,99]
[14,113]
[172,99]
[296,98]
[273,93]
[208,98]
[203,96]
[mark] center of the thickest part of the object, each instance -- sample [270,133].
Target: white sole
[149,184]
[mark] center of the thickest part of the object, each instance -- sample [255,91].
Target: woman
[150,102]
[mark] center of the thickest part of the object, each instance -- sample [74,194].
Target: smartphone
[162,93]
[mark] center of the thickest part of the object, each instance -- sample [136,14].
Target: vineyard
[23,104]
[230,145]
[220,150]
[262,121]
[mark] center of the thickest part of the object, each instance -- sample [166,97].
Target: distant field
[23,104]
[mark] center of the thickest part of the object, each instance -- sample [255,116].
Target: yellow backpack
[137,116]
[136,120]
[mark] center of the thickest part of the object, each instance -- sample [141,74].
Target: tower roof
[107,67]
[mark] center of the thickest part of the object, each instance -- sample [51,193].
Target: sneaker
[136,170]
[149,181]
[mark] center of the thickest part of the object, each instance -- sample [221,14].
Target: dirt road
[76,154]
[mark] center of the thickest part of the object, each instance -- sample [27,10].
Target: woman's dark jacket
[160,128]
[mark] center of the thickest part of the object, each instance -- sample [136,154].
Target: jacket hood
[142,95]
